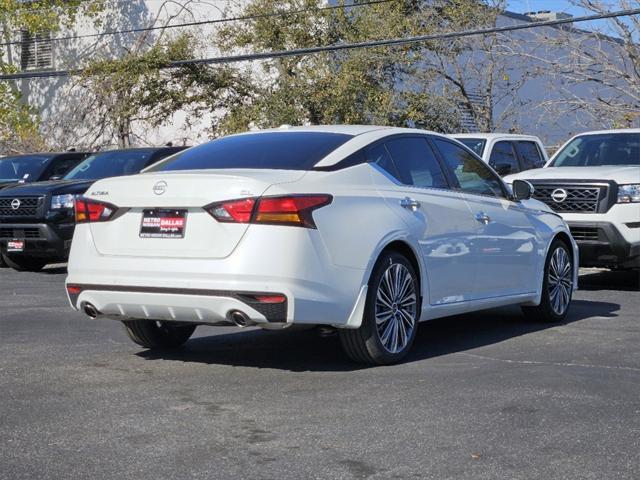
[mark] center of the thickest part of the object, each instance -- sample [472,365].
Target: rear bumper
[41,240]
[205,290]
[211,307]
[601,244]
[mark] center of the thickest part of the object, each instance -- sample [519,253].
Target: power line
[208,22]
[347,46]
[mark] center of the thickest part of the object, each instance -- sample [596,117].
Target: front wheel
[156,334]
[391,314]
[24,264]
[557,286]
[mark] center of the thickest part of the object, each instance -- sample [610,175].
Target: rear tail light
[294,210]
[89,211]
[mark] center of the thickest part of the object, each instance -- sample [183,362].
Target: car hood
[53,187]
[620,174]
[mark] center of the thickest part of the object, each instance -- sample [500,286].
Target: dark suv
[37,220]
[37,167]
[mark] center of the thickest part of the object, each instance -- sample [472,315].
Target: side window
[530,155]
[379,155]
[472,174]
[416,163]
[503,158]
[62,166]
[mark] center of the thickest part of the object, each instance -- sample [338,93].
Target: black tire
[545,312]
[24,264]
[364,344]
[154,334]
[2,263]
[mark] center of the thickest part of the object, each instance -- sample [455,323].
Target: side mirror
[522,190]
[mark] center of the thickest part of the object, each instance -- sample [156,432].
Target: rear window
[474,144]
[599,150]
[272,151]
[110,164]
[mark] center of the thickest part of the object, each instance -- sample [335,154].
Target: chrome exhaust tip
[240,319]
[90,310]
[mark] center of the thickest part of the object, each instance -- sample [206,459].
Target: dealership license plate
[163,223]
[15,246]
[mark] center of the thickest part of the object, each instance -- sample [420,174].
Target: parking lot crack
[556,364]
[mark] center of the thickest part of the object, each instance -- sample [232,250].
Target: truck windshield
[23,167]
[599,150]
[475,144]
[110,164]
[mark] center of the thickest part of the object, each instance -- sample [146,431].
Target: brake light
[293,210]
[88,211]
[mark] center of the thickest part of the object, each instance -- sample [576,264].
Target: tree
[19,123]
[595,73]
[385,85]
[138,89]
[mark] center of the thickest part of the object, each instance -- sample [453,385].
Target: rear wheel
[24,264]
[557,286]
[391,314]
[157,334]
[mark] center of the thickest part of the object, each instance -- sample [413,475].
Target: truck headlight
[59,202]
[629,193]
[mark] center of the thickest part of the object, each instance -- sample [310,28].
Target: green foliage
[385,85]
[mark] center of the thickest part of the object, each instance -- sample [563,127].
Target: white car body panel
[323,272]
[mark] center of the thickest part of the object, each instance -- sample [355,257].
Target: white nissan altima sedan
[367,229]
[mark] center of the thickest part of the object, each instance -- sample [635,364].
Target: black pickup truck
[37,167]
[37,220]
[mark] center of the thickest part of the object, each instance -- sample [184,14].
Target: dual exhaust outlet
[238,318]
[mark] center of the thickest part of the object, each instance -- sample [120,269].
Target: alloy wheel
[560,281]
[396,308]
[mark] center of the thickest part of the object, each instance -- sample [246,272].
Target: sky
[521,6]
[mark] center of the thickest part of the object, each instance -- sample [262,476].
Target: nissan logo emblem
[559,195]
[160,187]
[15,204]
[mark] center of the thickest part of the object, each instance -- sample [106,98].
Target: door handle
[409,204]
[483,218]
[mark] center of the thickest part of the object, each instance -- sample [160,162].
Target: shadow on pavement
[301,351]
[610,280]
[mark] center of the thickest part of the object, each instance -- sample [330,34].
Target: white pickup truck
[507,153]
[593,182]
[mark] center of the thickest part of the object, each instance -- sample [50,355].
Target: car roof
[352,130]
[490,136]
[605,132]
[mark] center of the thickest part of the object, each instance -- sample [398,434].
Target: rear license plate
[15,246]
[163,223]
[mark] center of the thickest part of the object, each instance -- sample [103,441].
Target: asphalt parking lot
[481,396]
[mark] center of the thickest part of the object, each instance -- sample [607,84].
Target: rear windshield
[598,150]
[26,168]
[475,144]
[110,164]
[272,151]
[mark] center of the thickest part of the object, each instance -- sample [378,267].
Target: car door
[506,248]
[503,158]
[530,154]
[437,216]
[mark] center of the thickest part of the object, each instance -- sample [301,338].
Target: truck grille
[19,233]
[19,206]
[571,198]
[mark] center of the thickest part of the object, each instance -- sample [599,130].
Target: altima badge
[160,187]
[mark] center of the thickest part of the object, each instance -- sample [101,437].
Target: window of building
[36,50]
